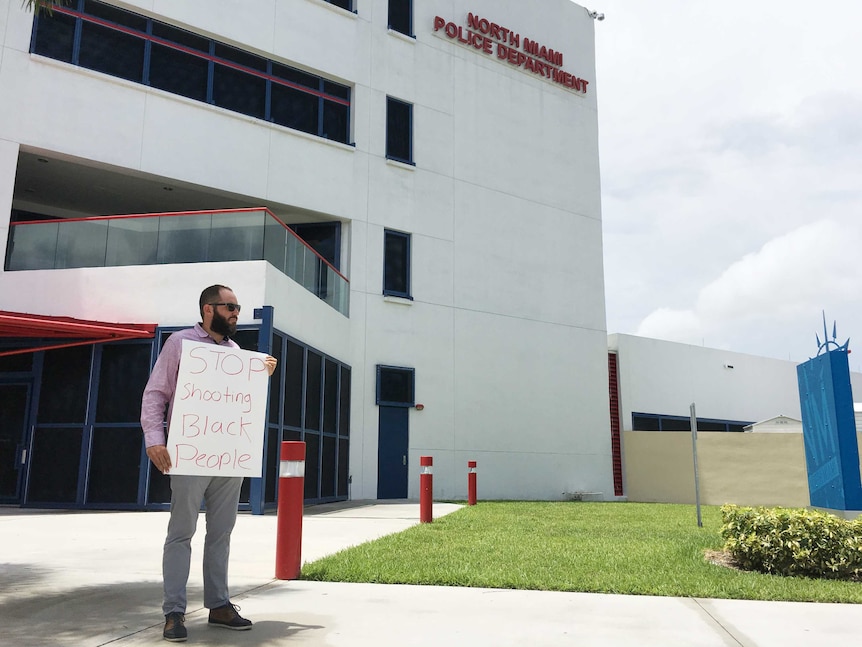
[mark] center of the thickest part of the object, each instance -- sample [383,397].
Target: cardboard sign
[218,420]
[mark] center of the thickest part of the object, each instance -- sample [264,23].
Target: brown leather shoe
[228,617]
[175,628]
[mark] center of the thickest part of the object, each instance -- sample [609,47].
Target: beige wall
[746,469]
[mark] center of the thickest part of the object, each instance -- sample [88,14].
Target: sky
[730,141]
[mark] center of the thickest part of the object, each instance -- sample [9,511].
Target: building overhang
[67,331]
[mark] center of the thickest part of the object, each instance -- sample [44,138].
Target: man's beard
[221,325]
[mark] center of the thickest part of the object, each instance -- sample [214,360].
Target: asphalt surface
[94,578]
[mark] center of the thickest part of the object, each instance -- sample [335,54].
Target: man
[219,313]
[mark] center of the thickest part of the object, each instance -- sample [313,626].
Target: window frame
[409,8]
[411,372]
[673,423]
[350,5]
[408,262]
[391,101]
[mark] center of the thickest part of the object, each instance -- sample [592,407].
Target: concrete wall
[745,469]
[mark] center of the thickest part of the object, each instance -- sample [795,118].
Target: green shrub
[785,541]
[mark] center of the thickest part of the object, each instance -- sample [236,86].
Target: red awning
[74,332]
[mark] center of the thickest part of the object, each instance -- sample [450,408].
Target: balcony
[179,237]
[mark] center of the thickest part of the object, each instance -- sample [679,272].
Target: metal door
[392,438]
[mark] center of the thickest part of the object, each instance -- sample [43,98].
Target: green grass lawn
[630,548]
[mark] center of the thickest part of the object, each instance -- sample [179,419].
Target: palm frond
[44,6]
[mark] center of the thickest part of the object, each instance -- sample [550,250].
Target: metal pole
[291,487]
[426,490]
[471,482]
[696,474]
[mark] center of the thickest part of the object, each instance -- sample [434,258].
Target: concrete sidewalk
[94,578]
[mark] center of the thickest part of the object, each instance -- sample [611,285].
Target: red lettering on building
[570,80]
[492,29]
[540,51]
[481,34]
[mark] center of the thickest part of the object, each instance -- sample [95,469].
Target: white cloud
[809,269]
[731,152]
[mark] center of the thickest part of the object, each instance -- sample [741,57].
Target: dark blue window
[55,38]
[179,71]
[113,43]
[124,44]
[293,105]
[399,130]
[233,87]
[661,422]
[323,237]
[396,386]
[401,16]
[396,264]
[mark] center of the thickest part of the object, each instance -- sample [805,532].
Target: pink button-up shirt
[162,384]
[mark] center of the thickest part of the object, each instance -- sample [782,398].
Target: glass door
[14,408]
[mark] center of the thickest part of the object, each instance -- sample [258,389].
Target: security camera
[595,15]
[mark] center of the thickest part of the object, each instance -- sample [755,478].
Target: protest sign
[218,419]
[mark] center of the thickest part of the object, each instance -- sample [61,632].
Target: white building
[653,384]
[775,425]
[442,159]
[659,380]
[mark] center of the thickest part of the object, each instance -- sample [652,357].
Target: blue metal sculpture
[824,347]
[829,426]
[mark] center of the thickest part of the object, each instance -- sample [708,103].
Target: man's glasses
[230,306]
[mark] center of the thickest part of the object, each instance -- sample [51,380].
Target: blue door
[392,443]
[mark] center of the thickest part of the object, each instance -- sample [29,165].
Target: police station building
[403,194]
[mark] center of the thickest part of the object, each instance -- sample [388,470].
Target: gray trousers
[221,495]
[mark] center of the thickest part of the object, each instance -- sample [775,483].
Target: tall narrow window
[396,264]
[399,130]
[401,16]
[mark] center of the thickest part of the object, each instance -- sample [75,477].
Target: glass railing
[185,237]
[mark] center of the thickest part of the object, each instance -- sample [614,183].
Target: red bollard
[426,490]
[471,482]
[291,492]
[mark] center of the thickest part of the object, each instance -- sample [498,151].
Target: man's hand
[270,362]
[160,457]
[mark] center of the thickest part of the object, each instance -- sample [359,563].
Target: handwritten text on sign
[219,414]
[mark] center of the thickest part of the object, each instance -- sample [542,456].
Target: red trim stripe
[19,325]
